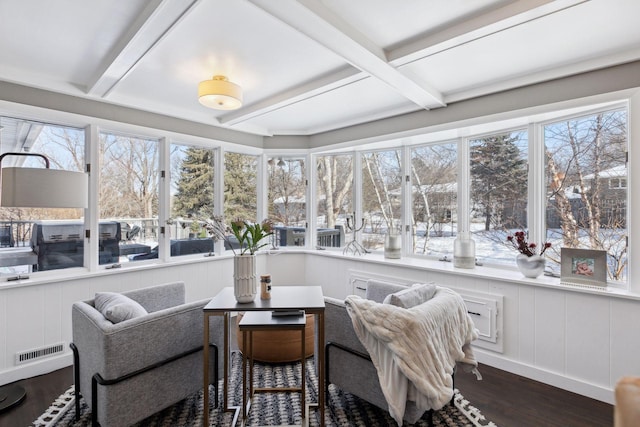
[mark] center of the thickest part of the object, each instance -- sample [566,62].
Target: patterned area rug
[343,409]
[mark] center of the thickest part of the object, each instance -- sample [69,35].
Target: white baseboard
[36,368]
[574,385]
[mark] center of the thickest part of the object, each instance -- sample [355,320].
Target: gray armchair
[130,370]
[348,364]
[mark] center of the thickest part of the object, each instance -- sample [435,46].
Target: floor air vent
[38,353]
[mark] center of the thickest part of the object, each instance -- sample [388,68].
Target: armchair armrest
[338,326]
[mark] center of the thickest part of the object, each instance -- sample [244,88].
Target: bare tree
[433,176]
[584,156]
[335,179]
[287,190]
[128,177]
[382,174]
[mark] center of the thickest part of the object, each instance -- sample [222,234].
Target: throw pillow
[410,297]
[117,307]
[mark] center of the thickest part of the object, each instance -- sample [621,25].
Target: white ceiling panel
[307,66]
[365,100]
[235,39]
[389,23]
[60,43]
[551,42]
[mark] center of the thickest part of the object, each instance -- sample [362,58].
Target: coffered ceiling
[307,66]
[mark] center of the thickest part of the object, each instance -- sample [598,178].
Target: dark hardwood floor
[504,398]
[41,392]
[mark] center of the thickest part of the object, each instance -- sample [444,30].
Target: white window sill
[508,275]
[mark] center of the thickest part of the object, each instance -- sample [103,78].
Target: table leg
[303,371]
[246,351]
[205,389]
[225,383]
[250,364]
[321,367]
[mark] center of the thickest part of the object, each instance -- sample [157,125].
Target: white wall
[582,341]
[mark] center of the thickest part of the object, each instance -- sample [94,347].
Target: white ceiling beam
[508,16]
[317,22]
[318,86]
[152,25]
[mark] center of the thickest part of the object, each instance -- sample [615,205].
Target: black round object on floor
[10,396]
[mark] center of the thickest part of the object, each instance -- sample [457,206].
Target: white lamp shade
[220,94]
[43,188]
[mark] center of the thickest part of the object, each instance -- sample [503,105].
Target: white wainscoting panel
[4,330]
[520,335]
[625,339]
[588,338]
[549,335]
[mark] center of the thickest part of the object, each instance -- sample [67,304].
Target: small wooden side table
[307,298]
[265,321]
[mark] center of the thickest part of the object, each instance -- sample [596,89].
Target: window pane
[192,198]
[38,239]
[334,197]
[128,196]
[240,186]
[381,196]
[499,177]
[287,202]
[586,187]
[434,198]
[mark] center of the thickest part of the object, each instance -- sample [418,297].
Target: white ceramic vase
[245,285]
[531,266]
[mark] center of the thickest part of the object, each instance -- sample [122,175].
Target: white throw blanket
[415,350]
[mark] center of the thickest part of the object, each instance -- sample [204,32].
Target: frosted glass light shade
[219,93]
[43,188]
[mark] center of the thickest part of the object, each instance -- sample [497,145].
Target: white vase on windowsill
[531,266]
[245,286]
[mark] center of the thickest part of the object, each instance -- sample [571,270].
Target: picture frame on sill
[583,267]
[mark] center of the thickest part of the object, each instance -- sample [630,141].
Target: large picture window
[240,187]
[381,196]
[434,198]
[191,198]
[38,239]
[563,181]
[586,175]
[334,198]
[498,192]
[287,199]
[128,197]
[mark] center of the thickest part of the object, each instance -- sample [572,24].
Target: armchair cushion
[117,307]
[410,297]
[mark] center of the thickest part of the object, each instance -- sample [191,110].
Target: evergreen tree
[499,181]
[194,196]
[240,187]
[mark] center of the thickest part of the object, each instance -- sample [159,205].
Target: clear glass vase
[392,246]
[464,251]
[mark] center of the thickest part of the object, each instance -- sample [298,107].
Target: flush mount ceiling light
[220,93]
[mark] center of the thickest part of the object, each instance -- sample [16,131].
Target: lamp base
[10,396]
